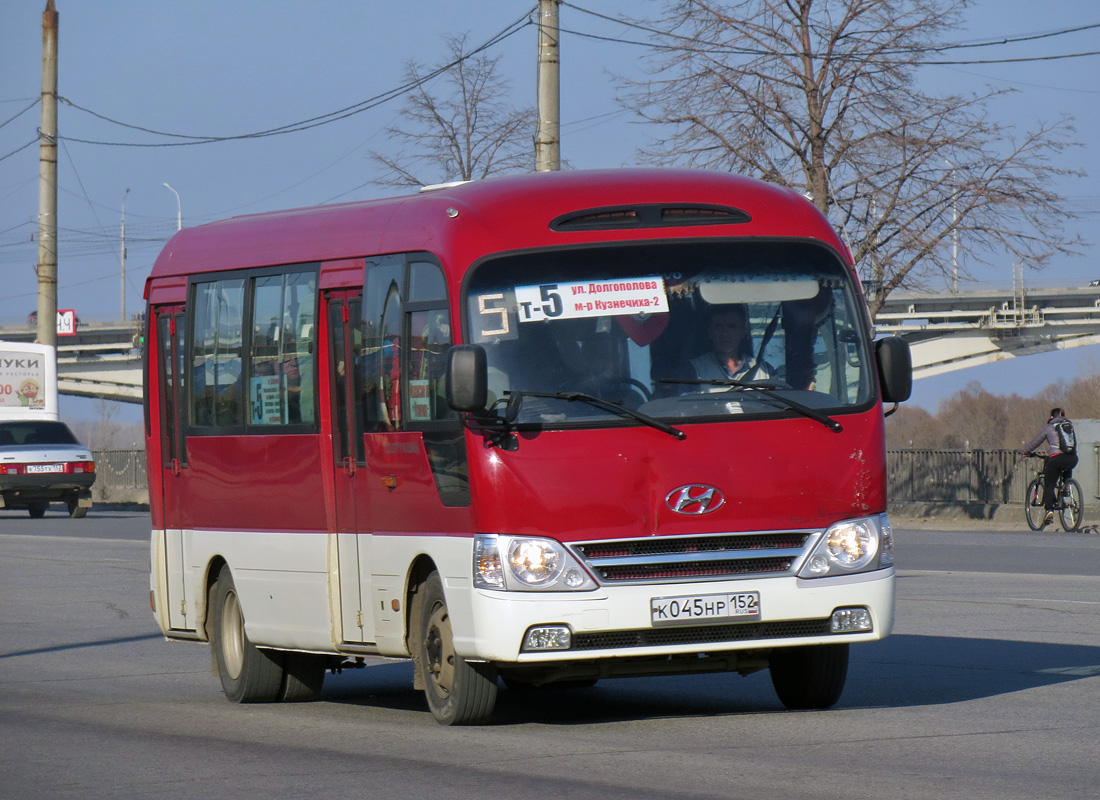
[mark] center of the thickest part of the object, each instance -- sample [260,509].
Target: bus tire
[810,677]
[304,676]
[458,692]
[248,674]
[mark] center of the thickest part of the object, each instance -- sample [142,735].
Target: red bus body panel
[609,484]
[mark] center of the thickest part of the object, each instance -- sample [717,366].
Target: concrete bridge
[946,330]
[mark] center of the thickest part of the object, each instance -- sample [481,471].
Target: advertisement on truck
[28,381]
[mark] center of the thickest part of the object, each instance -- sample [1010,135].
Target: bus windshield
[678,331]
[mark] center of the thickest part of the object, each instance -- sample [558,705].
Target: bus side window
[429,340]
[282,372]
[378,362]
[216,396]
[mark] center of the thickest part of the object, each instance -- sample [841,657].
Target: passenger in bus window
[730,356]
[802,320]
[306,402]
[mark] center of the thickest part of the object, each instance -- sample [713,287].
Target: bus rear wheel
[304,676]
[458,692]
[248,673]
[810,677]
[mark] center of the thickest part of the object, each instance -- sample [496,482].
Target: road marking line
[1053,600]
[1083,672]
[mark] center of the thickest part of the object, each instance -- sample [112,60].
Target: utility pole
[47,183]
[547,134]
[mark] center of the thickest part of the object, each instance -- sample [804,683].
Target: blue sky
[233,67]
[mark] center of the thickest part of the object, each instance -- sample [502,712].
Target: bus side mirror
[895,369]
[467,378]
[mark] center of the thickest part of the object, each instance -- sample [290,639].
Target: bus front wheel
[248,674]
[810,677]
[459,692]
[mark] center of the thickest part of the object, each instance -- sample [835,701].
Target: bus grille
[708,634]
[674,559]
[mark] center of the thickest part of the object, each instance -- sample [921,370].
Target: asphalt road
[988,689]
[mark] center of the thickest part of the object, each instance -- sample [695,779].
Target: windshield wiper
[766,388]
[614,408]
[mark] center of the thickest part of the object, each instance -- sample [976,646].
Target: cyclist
[1061,456]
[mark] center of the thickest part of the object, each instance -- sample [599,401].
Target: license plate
[704,607]
[45,468]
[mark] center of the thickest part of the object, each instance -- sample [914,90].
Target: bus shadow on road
[916,670]
[613,700]
[900,671]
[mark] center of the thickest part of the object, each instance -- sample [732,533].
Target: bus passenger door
[344,313]
[170,338]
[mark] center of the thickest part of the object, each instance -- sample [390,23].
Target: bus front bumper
[620,621]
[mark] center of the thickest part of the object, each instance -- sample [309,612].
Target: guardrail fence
[958,476]
[120,477]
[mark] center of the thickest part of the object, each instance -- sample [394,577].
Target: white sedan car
[41,462]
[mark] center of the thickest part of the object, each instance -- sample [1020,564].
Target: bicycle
[1067,503]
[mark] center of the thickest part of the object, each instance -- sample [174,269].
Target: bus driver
[730,356]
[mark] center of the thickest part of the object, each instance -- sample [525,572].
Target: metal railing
[958,476]
[120,476]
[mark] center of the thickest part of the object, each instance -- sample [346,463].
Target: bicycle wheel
[1070,505]
[1033,504]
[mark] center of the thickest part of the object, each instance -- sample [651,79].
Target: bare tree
[108,429]
[913,427]
[821,96]
[457,126]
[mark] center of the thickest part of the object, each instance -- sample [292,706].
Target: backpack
[1067,439]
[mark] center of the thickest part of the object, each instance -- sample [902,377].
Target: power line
[1010,60]
[21,113]
[306,124]
[80,182]
[20,149]
[692,44]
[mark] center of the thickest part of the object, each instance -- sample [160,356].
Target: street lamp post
[179,207]
[123,255]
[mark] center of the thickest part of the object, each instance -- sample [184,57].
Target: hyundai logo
[695,498]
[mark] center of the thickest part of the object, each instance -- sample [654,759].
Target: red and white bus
[494,427]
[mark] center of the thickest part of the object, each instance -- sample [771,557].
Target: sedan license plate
[45,468]
[704,608]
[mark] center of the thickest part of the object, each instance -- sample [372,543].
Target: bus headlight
[535,562]
[856,545]
[527,563]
